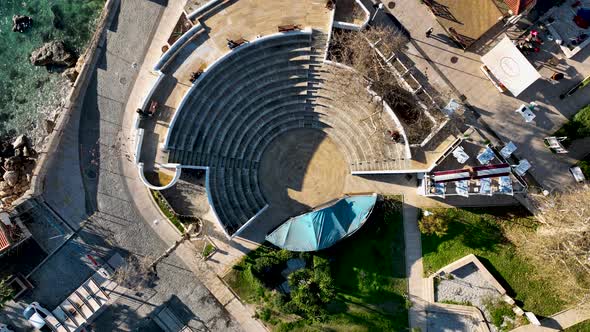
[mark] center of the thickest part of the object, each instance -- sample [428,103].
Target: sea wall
[74,101]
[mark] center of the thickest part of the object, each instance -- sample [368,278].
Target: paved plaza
[95,204]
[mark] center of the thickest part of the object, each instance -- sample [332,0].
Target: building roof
[518,6]
[510,67]
[322,228]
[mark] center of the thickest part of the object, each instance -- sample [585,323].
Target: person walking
[429,32]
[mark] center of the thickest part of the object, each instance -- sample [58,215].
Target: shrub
[311,290]
[6,292]
[209,248]
[498,310]
[263,314]
[433,224]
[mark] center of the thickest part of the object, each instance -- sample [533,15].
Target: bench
[195,75]
[289,27]
[231,44]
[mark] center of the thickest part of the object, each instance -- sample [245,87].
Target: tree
[563,238]
[366,52]
[311,291]
[6,292]
[433,223]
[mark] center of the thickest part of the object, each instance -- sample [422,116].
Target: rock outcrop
[71,74]
[21,23]
[16,171]
[53,53]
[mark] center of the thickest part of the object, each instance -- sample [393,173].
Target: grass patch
[366,275]
[209,248]
[577,127]
[163,205]
[481,232]
[580,327]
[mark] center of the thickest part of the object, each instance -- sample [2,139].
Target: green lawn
[577,127]
[367,272]
[481,233]
[580,327]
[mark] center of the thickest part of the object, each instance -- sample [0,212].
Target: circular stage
[302,169]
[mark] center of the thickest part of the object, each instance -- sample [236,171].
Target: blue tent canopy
[322,228]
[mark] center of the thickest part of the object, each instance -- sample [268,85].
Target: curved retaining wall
[218,62]
[175,48]
[177,174]
[146,100]
[203,9]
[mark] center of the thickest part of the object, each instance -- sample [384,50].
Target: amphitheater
[267,120]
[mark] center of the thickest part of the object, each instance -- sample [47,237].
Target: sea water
[26,91]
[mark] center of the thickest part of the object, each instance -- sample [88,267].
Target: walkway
[148,211]
[457,73]
[414,269]
[88,187]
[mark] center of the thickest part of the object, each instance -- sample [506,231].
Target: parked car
[36,315]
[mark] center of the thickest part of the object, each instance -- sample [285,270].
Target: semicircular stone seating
[255,94]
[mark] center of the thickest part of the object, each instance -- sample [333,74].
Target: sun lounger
[554,143]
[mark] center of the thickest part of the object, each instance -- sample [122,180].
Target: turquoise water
[26,91]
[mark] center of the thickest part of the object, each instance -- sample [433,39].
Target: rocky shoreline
[17,160]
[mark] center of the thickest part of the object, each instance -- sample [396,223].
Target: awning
[491,171]
[510,67]
[320,229]
[454,175]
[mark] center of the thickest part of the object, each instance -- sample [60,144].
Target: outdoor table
[508,150]
[486,156]
[462,188]
[485,186]
[460,155]
[522,167]
[505,185]
[440,189]
[526,113]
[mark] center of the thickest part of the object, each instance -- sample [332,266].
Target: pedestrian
[429,32]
